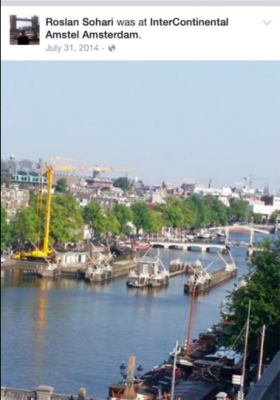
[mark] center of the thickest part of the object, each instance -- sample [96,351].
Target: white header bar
[150,33]
[142,1]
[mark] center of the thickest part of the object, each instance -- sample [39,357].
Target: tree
[65,225]
[173,217]
[95,217]
[198,207]
[257,218]
[156,222]
[189,213]
[216,211]
[141,217]
[112,226]
[25,227]
[122,183]
[124,216]
[5,230]
[66,219]
[239,210]
[274,216]
[61,186]
[264,291]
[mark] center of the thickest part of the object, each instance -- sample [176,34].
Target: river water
[68,334]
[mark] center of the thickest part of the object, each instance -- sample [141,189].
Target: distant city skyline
[168,120]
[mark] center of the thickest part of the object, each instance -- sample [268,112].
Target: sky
[171,121]
[20,24]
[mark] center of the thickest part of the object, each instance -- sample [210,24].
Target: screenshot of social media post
[140,200]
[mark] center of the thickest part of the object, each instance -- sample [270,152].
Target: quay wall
[120,268]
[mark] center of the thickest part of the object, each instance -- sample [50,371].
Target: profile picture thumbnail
[24,30]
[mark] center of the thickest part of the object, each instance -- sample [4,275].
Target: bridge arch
[195,247]
[213,249]
[176,247]
[158,246]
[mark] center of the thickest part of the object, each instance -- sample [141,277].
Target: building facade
[14,199]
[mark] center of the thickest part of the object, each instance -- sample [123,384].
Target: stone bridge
[189,246]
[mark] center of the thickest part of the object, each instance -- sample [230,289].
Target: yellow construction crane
[97,171]
[48,170]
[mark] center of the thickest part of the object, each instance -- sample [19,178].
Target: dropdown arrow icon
[267,22]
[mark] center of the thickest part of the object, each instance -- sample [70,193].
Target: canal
[68,334]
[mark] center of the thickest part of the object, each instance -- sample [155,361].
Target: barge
[203,281]
[150,273]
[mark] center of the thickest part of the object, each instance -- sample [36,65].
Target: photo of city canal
[77,336]
[140,210]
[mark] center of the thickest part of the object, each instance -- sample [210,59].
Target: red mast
[188,348]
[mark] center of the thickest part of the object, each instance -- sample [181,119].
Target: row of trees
[28,223]
[68,218]
[263,290]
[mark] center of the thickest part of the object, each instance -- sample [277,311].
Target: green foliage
[239,210]
[5,230]
[274,216]
[32,196]
[66,219]
[61,186]
[156,222]
[264,291]
[189,213]
[216,211]
[194,212]
[95,217]
[122,183]
[141,218]
[198,207]
[65,226]
[257,218]
[124,216]
[24,227]
[113,226]
[173,216]
[6,182]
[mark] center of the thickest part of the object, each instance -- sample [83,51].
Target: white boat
[242,283]
[150,272]
[137,279]
[224,309]
[100,270]
[3,260]
[204,235]
[221,234]
[98,273]
[190,238]
[200,279]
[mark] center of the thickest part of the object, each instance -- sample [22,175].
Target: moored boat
[200,279]
[100,270]
[150,272]
[138,245]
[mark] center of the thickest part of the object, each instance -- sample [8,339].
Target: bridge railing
[17,394]
[38,394]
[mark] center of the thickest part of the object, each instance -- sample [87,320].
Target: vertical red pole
[190,322]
